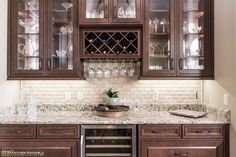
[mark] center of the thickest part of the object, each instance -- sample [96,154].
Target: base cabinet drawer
[160,131]
[17,131]
[203,131]
[39,149]
[181,148]
[182,152]
[58,131]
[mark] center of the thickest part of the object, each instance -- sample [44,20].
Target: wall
[8,89]
[225,63]
[177,92]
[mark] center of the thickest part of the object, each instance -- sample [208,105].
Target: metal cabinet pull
[106,12]
[181,63]
[203,131]
[49,64]
[40,64]
[115,12]
[172,64]
[12,153]
[181,154]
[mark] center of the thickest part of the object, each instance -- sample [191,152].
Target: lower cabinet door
[39,149]
[181,148]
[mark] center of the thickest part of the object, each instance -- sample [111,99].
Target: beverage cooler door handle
[82,146]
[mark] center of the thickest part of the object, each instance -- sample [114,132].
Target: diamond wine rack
[111,44]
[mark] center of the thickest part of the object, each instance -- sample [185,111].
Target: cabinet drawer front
[182,152]
[58,131]
[160,131]
[203,131]
[17,131]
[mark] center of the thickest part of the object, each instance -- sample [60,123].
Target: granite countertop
[138,114]
[90,117]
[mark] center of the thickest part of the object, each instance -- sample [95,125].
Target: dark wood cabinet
[43,39]
[51,39]
[183,140]
[179,37]
[51,140]
[39,148]
[110,12]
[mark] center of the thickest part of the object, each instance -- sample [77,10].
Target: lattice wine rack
[111,44]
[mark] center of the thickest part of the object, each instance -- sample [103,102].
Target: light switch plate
[67,96]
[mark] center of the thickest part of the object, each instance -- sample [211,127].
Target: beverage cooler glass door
[108,140]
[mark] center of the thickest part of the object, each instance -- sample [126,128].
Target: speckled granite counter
[90,117]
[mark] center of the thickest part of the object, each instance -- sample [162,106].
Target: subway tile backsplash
[131,91]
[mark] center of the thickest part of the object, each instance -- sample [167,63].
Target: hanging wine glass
[131,70]
[107,71]
[123,70]
[67,5]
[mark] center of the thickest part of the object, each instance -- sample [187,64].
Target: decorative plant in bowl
[113,96]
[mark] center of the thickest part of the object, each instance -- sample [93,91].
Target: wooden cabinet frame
[177,46]
[45,35]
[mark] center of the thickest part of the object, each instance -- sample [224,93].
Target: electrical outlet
[155,95]
[226,99]
[67,96]
[80,96]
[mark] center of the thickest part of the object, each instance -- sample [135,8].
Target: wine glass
[99,71]
[91,71]
[67,5]
[107,71]
[163,22]
[115,71]
[123,70]
[131,70]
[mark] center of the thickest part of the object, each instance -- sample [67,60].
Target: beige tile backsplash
[131,91]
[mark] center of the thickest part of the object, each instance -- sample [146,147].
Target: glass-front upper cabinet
[159,50]
[94,11]
[195,31]
[61,35]
[110,11]
[126,11]
[27,45]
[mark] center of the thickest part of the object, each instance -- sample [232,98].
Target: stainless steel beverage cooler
[108,141]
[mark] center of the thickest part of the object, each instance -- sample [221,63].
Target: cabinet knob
[19,132]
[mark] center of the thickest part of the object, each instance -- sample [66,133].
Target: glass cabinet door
[195,36]
[28,46]
[61,35]
[159,59]
[94,11]
[126,11]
